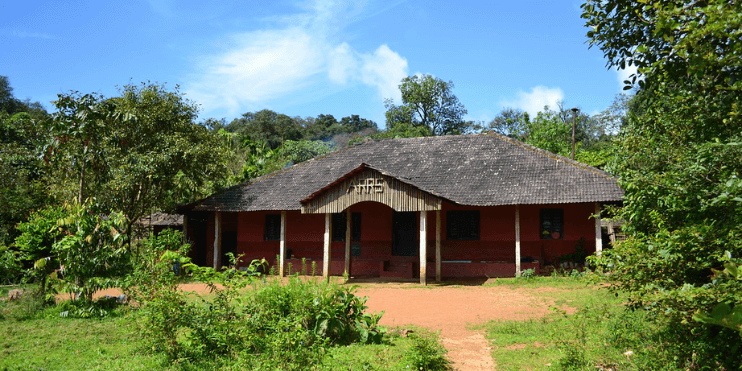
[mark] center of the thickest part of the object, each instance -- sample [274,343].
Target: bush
[273,326]
[426,352]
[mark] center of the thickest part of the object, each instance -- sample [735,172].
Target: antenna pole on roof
[574,119]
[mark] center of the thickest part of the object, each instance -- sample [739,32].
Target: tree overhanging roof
[477,170]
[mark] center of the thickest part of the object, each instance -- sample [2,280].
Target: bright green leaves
[428,102]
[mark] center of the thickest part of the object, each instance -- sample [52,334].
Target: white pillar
[282,245]
[438,246]
[327,258]
[598,230]
[217,238]
[517,240]
[348,225]
[423,247]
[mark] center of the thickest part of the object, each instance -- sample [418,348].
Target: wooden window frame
[272,230]
[463,225]
[555,219]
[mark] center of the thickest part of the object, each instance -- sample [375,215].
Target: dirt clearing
[451,309]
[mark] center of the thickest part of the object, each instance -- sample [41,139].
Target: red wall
[305,235]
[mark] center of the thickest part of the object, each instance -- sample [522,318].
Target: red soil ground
[450,309]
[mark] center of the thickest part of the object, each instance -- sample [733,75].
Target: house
[448,206]
[159,221]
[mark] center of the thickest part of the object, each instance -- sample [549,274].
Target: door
[229,245]
[404,233]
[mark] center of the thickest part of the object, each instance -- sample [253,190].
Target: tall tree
[267,126]
[680,161]
[428,102]
[512,122]
[137,153]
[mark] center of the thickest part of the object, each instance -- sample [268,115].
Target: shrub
[273,326]
[528,273]
[426,352]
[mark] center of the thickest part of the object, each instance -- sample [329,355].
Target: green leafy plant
[528,274]
[426,352]
[93,251]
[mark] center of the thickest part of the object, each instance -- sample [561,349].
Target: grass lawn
[39,339]
[588,328]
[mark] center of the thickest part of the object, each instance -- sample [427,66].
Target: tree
[428,102]
[267,126]
[23,175]
[92,252]
[161,156]
[137,153]
[12,105]
[512,122]
[679,160]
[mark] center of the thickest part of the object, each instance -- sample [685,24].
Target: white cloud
[534,101]
[303,52]
[624,74]
[384,70]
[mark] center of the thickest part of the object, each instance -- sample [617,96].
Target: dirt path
[450,309]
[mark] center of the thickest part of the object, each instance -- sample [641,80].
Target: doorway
[404,233]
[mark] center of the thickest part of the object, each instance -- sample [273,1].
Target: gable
[366,184]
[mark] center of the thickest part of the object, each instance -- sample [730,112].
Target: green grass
[588,328]
[47,342]
[73,344]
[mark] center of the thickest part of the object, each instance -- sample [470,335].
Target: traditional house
[448,206]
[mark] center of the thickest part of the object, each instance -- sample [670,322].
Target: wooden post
[598,231]
[517,240]
[348,225]
[423,247]
[437,246]
[282,245]
[217,239]
[327,258]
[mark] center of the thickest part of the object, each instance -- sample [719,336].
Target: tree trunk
[82,183]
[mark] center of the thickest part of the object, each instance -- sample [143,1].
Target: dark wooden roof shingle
[485,169]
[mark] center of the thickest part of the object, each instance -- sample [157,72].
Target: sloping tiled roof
[485,169]
[161,219]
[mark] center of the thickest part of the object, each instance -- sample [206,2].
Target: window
[272,227]
[552,224]
[462,225]
[339,224]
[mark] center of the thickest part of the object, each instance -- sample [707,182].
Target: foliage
[428,102]
[672,41]
[10,267]
[139,152]
[268,127]
[92,253]
[36,242]
[587,328]
[679,161]
[724,314]
[512,122]
[12,105]
[78,147]
[426,352]
[303,150]
[551,130]
[275,326]
[23,175]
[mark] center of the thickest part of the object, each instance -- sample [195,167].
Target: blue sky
[305,58]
